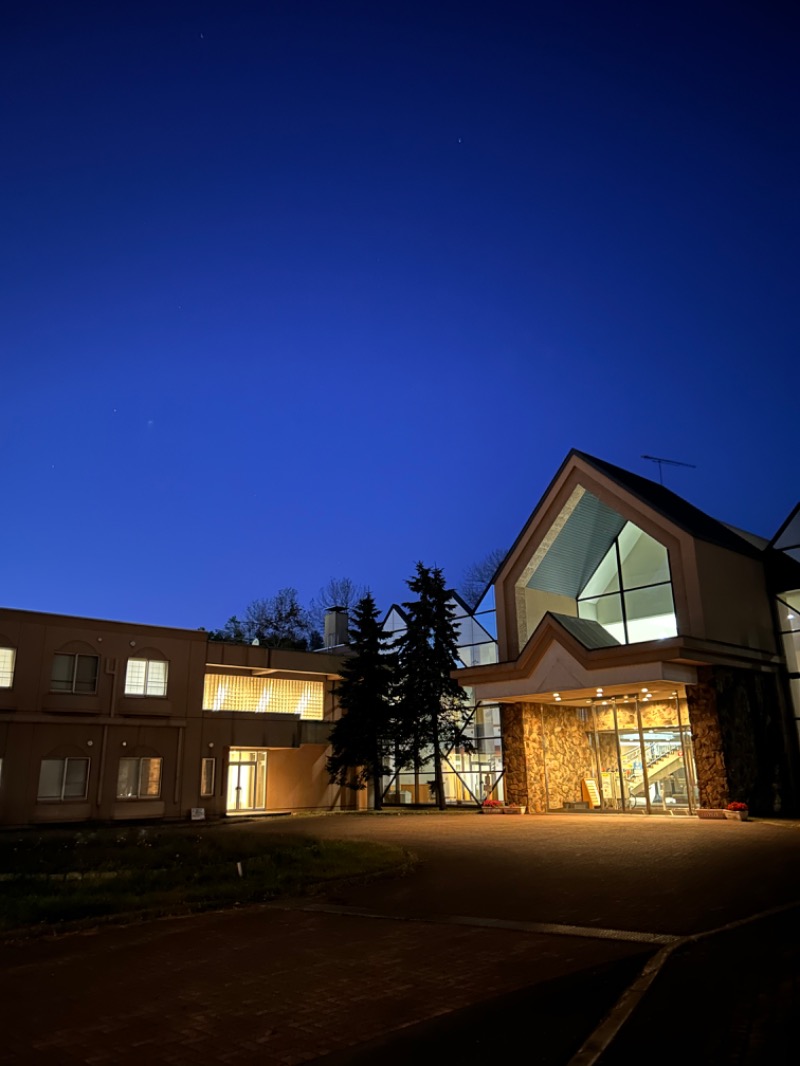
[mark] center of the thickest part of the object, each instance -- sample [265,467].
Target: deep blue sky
[293,290]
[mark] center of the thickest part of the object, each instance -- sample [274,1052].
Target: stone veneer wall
[709,757]
[568,756]
[738,733]
[757,743]
[521,726]
[741,740]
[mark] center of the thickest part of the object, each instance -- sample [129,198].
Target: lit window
[63,779]
[146,677]
[258,695]
[7,656]
[74,673]
[207,773]
[139,778]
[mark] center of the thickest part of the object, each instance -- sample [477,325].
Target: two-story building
[111,721]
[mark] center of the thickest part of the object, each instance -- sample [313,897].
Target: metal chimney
[336,625]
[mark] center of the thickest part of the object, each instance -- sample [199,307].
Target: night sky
[294,290]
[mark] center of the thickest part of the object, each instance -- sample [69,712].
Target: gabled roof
[673,507]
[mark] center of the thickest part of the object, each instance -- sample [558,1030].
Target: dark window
[74,673]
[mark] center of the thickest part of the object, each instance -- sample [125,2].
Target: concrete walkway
[509,929]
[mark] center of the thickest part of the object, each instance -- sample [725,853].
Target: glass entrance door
[247,780]
[629,753]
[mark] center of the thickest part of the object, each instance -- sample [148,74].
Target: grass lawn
[54,877]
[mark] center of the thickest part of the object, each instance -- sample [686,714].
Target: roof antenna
[669,462]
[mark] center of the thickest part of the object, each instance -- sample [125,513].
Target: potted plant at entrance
[737,812]
[491,806]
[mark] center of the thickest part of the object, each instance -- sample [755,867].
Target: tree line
[280,621]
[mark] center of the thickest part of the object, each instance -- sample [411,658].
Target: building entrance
[626,754]
[247,780]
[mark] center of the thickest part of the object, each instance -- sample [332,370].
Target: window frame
[144,694]
[62,798]
[207,791]
[140,759]
[74,680]
[8,671]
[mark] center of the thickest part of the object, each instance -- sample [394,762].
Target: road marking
[587,932]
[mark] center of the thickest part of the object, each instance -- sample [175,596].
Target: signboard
[590,792]
[198,814]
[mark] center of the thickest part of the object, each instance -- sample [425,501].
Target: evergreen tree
[432,704]
[360,738]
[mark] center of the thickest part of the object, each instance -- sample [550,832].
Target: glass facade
[471,772]
[789,622]
[474,771]
[630,592]
[595,565]
[619,754]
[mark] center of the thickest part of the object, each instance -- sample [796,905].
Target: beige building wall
[107,725]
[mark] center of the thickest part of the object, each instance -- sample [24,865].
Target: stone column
[709,757]
[522,756]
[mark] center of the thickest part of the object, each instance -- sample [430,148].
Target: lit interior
[259,695]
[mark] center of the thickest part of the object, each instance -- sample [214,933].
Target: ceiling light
[645,690]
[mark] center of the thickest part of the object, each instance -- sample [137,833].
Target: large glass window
[624,755]
[74,673]
[139,778]
[630,592]
[470,776]
[586,563]
[146,677]
[63,779]
[234,692]
[7,656]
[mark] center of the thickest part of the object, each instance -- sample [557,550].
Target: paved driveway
[658,875]
[507,927]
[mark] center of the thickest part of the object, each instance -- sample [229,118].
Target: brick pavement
[274,985]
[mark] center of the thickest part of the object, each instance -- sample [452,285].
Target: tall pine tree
[431,704]
[360,739]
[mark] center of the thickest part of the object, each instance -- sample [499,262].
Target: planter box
[736,816]
[713,812]
[492,810]
[513,810]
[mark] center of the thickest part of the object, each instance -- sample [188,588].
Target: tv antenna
[669,462]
